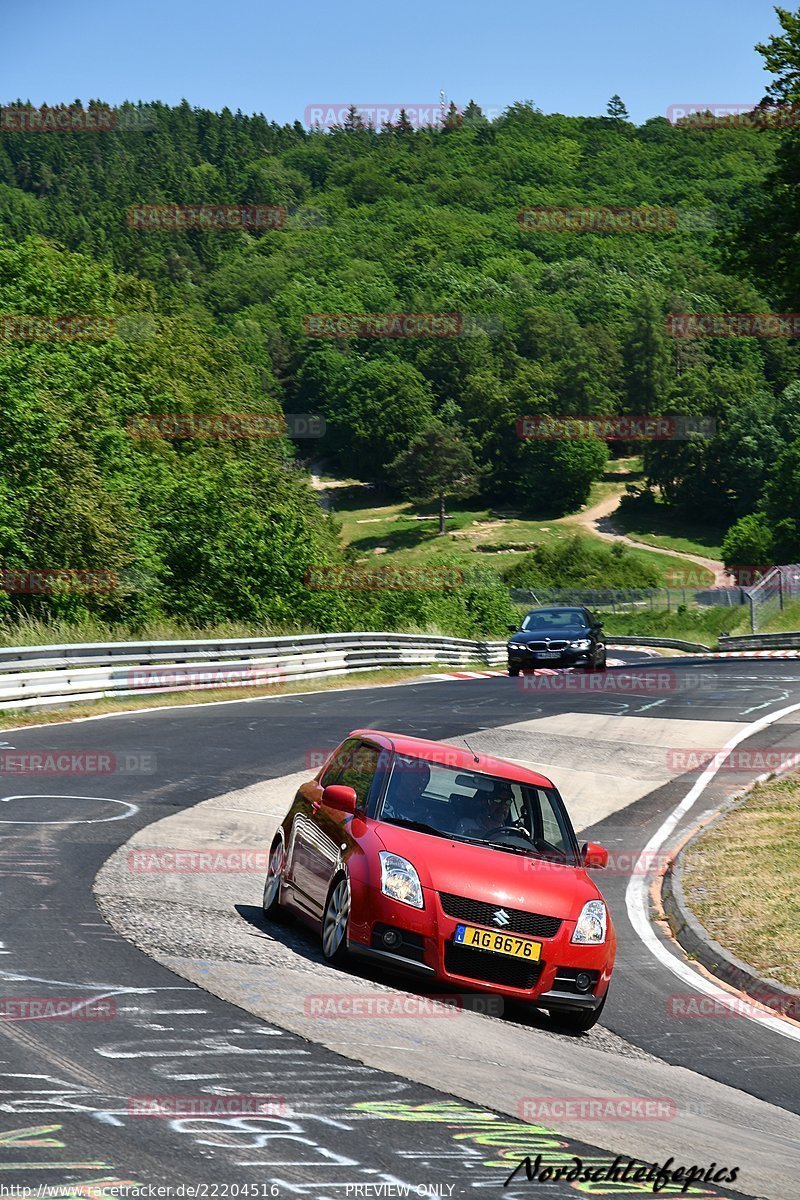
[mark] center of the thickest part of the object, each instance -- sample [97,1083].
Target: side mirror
[513,628]
[339,797]
[594,856]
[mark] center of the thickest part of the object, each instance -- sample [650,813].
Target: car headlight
[399,880]
[591,926]
[581,644]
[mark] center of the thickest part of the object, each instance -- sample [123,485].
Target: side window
[353,765]
[359,771]
[547,821]
[334,769]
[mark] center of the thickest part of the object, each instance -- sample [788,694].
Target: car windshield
[470,806]
[555,619]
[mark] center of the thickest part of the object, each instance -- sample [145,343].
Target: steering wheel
[505,829]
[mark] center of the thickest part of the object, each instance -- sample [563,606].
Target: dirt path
[598,520]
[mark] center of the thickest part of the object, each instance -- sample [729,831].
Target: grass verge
[659,527]
[703,625]
[406,535]
[742,880]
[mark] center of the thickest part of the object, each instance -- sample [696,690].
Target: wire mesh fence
[667,599]
[779,587]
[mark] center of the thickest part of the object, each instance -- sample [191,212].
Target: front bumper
[427,950]
[523,657]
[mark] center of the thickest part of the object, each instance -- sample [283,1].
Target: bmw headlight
[581,644]
[399,880]
[591,926]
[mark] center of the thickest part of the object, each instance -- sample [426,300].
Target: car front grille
[537,646]
[532,924]
[485,967]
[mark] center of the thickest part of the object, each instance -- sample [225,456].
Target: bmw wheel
[335,921]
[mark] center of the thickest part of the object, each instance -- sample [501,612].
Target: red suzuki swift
[450,865]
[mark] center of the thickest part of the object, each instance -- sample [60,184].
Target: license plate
[548,654]
[498,943]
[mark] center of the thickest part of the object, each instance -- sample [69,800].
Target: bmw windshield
[554,620]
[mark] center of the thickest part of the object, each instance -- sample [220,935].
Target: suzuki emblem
[501,917]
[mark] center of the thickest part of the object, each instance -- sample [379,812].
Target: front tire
[579,1021]
[270,903]
[513,671]
[335,920]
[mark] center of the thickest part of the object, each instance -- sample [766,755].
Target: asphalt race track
[67,1086]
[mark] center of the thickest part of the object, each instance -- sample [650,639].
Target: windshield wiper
[421,827]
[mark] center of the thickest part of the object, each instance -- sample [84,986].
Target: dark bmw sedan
[557,637]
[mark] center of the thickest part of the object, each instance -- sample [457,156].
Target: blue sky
[279,59]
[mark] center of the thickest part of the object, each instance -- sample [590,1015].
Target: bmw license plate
[548,654]
[498,943]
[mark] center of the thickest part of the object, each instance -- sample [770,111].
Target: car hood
[493,876]
[523,636]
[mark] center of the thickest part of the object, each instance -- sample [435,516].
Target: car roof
[453,756]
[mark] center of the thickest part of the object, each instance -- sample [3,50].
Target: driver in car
[492,811]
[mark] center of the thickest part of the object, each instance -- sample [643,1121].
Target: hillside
[396,221]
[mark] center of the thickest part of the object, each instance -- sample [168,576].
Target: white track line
[637,894]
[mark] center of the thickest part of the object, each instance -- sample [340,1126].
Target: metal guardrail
[761,641]
[40,676]
[660,643]
[48,676]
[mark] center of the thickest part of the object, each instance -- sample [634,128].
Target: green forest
[396,220]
